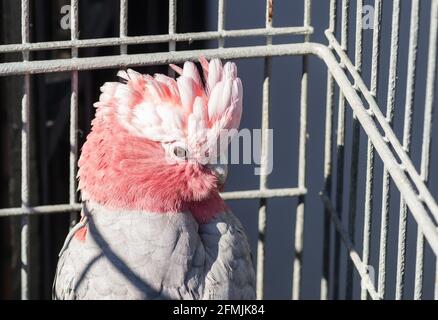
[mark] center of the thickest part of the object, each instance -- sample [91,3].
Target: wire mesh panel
[350,183]
[394,151]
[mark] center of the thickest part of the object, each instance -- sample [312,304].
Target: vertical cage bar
[264,159]
[429,109]
[328,166]
[123,28]
[407,131]
[419,265]
[299,223]
[172,23]
[389,117]
[221,21]
[354,153]
[172,30]
[25,155]
[333,17]
[369,184]
[328,171]
[74,21]
[369,180]
[392,86]
[340,145]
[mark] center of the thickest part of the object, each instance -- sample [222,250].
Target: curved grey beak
[220,171]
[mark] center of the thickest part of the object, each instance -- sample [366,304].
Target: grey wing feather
[231,273]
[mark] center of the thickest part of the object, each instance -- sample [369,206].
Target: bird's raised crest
[189,110]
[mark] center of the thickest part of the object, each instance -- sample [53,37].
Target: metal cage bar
[267,67]
[136,40]
[428,111]
[408,166]
[231,195]
[328,166]
[299,220]
[386,179]
[74,20]
[370,148]
[422,193]
[354,167]
[123,25]
[389,118]
[172,29]
[352,252]
[407,132]
[221,22]
[369,184]
[25,155]
[340,146]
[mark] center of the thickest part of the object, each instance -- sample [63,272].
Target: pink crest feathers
[123,163]
[186,111]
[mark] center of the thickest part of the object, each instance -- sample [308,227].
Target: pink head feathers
[141,121]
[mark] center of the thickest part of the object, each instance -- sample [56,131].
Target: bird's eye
[181,152]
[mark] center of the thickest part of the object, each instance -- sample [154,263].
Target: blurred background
[50,94]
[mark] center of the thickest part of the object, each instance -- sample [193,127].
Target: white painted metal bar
[430,91]
[172,23]
[352,252]
[392,83]
[302,157]
[73,156]
[231,195]
[265,193]
[423,193]
[391,139]
[411,190]
[221,22]
[328,166]
[25,155]
[264,159]
[407,132]
[328,172]
[136,40]
[369,184]
[359,34]
[160,58]
[397,173]
[406,164]
[428,112]
[355,141]
[340,145]
[123,27]
[47,209]
[172,30]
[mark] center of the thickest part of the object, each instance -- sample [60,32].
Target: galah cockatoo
[153,224]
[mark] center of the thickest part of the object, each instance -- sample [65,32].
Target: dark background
[50,118]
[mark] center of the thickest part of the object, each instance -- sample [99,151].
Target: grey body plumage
[141,255]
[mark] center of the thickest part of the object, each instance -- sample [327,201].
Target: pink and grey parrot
[153,224]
